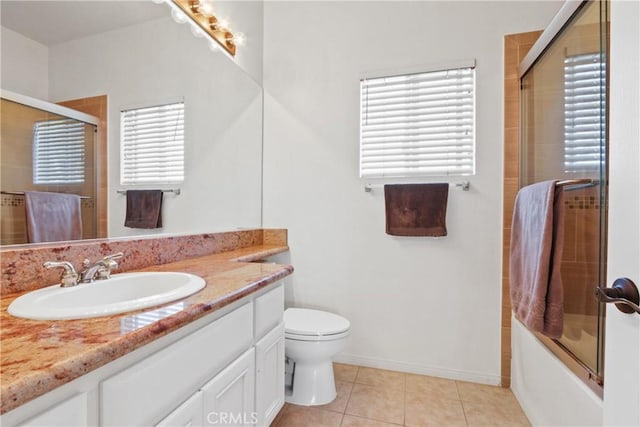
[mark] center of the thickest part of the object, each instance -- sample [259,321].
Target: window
[152,145]
[58,152]
[418,124]
[584,112]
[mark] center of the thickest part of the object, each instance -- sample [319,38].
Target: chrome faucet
[99,270]
[69,277]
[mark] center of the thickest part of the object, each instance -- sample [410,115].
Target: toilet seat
[305,324]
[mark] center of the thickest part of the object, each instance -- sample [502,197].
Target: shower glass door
[564,137]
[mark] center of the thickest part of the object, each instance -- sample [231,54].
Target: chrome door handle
[624,293]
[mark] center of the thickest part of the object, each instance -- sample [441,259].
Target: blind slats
[418,124]
[584,79]
[58,152]
[152,145]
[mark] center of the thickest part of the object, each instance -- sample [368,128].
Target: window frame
[425,171]
[124,162]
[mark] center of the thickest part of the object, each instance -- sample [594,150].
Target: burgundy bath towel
[52,217]
[416,209]
[536,254]
[144,209]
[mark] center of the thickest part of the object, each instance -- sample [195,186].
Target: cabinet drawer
[71,412]
[269,310]
[146,392]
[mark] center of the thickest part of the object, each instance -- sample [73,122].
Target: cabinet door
[229,397]
[270,375]
[189,414]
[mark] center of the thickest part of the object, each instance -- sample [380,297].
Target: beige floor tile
[432,386]
[377,403]
[307,416]
[489,414]
[481,393]
[345,373]
[343,389]
[428,410]
[351,421]
[381,378]
[279,414]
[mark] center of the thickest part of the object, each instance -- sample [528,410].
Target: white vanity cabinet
[227,371]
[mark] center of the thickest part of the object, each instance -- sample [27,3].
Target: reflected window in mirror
[58,152]
[152,145]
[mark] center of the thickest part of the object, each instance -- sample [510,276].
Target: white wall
[24,65]
[415,304]
[161,61]
[549,393]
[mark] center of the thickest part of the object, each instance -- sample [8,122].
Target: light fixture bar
[209,23]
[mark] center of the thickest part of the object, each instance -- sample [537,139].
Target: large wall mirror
[131,55]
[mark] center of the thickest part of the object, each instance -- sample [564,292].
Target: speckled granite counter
[38,356]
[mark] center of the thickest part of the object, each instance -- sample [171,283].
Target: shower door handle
[624,293]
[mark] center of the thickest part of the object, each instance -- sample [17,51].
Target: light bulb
[213,46]
[239,39]
[196,30]
[178,15]
[223,24]
[206,7]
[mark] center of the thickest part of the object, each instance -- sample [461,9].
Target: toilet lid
[304,321]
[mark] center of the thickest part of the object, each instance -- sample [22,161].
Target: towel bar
[175,191]
[21,193]
[464,185]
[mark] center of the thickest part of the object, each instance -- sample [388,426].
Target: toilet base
[313,384]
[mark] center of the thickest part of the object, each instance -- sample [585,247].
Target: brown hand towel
[52,217]
[416,209]
[144,209]
[537,235]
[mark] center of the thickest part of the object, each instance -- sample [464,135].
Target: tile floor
[379,398]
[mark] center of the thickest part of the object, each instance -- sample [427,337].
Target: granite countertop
[38,356]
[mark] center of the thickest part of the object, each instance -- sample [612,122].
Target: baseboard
[411,368]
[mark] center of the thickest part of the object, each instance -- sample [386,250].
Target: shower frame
[525,50]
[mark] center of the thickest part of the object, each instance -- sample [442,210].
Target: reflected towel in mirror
[52,217]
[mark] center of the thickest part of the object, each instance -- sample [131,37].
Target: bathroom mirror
[137,55]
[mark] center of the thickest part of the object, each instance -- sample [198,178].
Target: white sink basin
[121,293]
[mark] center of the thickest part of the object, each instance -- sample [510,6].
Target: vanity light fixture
[200,14]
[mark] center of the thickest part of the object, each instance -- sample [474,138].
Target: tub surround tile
[22,266]
[38,356]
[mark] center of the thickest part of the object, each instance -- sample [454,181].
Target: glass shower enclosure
[564,137]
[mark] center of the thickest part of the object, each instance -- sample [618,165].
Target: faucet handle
[117,255]
[69,277]
[108,264]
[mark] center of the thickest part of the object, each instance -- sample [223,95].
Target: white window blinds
[152,145]
[418,124]
[584,112]
[58,152]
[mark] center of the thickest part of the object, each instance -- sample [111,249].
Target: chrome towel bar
[464,185]
[175,191]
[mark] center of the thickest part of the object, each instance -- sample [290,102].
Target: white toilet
[312,338]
